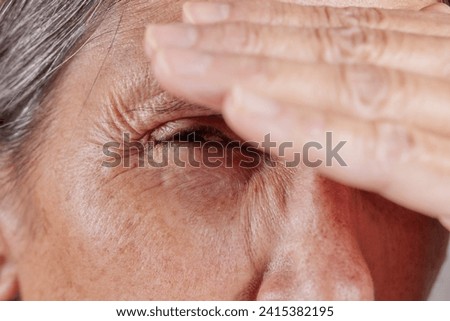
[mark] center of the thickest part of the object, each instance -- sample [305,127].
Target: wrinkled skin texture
[370,76]
[77,230]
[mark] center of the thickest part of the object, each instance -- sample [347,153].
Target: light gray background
[441,290]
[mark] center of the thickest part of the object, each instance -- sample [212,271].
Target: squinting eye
[197,130]
[201,134]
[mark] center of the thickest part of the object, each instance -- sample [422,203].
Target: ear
[9,286]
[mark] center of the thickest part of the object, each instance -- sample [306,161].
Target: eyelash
[190,131]
[195,134]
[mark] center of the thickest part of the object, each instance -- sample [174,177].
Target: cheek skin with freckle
[227,233]
[190,233]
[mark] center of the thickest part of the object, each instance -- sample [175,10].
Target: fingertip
[160,64]
[243,102]
[445,222]
[205,12]
[437,8]
[252,115]
[149,41]
[187,16]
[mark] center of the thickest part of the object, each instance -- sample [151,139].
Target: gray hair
[36,37]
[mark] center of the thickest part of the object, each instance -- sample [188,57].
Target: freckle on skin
[185,235]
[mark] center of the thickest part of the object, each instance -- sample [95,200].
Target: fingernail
[241,101]
[206,12]
[261,114]
[183,62]
[254,116]
[173,35]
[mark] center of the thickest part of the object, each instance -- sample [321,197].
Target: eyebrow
[135,94]
[136,101]
[143,94]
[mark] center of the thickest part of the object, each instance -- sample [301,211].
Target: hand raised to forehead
[377,78]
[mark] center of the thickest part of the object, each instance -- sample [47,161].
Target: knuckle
[352,44]
[328,15]
[367,90]
[325,16]
[280,12]
[356,16]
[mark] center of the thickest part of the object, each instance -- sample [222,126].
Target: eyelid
[215,124]
[138,110]
[212,133]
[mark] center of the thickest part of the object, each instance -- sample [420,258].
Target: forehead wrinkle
[137,101]
[136,14]
[143,94]
[127,94]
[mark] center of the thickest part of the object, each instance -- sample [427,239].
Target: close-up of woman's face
[76,229]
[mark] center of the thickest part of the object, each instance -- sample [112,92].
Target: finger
[409,52]
[405,165]
[280,13]
[361,91]
[445,221]
[437,7]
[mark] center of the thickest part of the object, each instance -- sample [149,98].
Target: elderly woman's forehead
[169,10]
[127,19]
[167,7]
[133,15]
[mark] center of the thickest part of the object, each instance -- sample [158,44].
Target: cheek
[135,234]
[208,188]
[204,233]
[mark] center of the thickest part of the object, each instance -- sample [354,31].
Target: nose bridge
[316,258]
